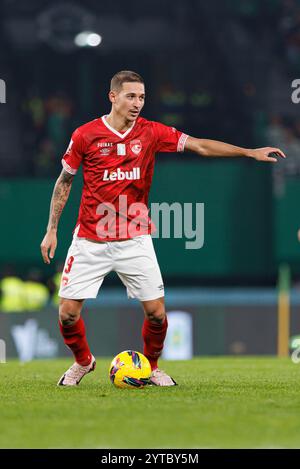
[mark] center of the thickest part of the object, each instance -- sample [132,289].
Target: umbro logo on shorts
[119,175]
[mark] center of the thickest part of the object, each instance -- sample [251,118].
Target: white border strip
[68,167]
[114,130]
[181,142]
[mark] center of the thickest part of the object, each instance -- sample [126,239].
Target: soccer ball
[130,369]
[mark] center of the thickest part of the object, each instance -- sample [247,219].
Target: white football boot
[160,378]
[75,373]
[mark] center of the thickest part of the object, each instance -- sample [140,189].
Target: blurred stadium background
[217,69]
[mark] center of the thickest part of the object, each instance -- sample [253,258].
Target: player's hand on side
[49,242]
[268,154]
[298,235]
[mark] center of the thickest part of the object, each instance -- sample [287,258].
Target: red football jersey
[117,174]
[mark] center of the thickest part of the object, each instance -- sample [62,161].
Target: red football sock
[75,339]
[154,335]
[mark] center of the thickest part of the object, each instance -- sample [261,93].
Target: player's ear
[112,96]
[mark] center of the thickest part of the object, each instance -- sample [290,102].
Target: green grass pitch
[220,403]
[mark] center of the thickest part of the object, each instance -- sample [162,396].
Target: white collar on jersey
[114,130]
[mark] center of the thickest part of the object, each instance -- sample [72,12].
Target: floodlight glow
[87,39]
[93,40]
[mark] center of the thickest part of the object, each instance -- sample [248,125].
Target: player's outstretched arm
[58,201]
[206,147]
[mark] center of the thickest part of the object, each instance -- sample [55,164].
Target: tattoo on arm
[59,198]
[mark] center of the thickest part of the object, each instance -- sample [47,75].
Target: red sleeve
[168,139]
[74,153]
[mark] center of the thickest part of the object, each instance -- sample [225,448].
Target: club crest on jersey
[136,146]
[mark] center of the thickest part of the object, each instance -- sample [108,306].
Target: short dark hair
[124,76]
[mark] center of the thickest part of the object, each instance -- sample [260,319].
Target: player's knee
[69,311]
[156,314]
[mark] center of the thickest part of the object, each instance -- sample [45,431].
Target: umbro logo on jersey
[105,151]
[105,148]
[119,175]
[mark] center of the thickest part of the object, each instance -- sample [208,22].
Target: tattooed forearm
[59,198]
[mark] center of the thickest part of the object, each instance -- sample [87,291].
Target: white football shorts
[134,260]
